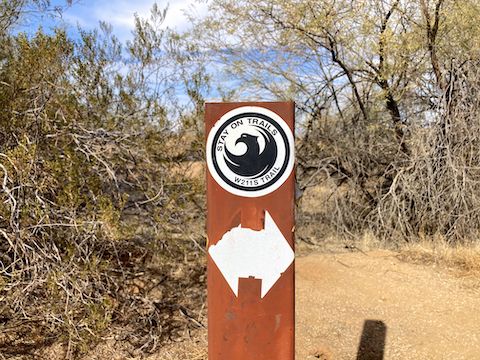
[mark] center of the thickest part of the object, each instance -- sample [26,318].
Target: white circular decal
[250,151]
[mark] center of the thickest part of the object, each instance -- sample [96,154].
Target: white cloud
[177,9]
[120,13]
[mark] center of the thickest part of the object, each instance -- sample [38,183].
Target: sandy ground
[404,311]
[368,306]
[372,306]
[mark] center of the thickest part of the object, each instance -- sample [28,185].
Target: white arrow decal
[242,253]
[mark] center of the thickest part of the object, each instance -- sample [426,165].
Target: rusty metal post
[250,225]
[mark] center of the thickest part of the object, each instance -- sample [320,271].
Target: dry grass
[193,346]
[464,260]
[192,349]
[316,231]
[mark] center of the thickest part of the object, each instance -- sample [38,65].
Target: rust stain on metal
[249,326]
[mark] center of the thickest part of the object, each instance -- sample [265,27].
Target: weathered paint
[243,325]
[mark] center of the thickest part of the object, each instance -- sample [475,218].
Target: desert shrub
[435,191]
[381,90]
[426,193]
[95,195]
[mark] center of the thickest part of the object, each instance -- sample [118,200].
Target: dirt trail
[405,312]
[424,313]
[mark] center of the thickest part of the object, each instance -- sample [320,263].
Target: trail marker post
[250,225]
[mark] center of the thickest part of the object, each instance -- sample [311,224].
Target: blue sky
[118,13]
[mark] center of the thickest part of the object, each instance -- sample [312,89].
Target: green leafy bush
[95,195]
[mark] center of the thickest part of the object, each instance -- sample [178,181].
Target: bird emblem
[255,162]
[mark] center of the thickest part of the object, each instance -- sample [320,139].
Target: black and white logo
[250,151]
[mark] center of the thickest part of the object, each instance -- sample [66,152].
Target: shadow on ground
[372,342]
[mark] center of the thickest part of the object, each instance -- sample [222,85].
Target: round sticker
[250,151]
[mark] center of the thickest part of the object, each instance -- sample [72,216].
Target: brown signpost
[250,229]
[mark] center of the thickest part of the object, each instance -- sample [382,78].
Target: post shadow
[372,342]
